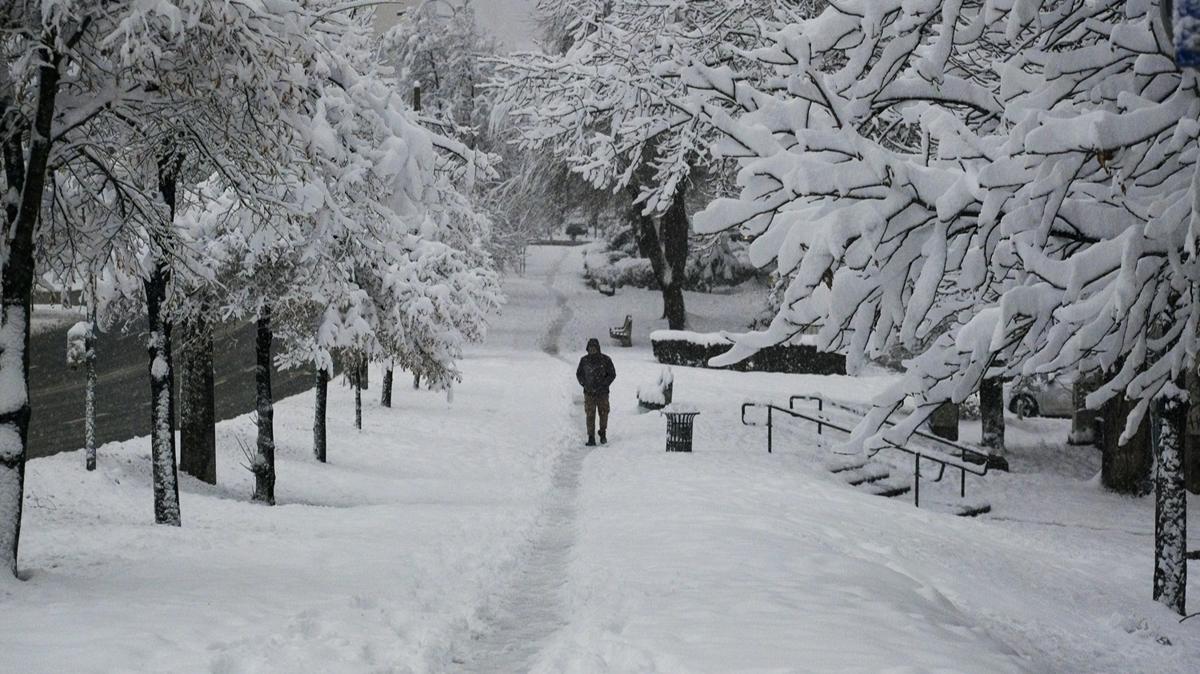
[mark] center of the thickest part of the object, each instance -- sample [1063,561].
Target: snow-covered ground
[47,317]
[479,535]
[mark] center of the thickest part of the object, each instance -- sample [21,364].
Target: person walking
[595,374]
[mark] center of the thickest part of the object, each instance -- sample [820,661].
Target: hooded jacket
[595,372]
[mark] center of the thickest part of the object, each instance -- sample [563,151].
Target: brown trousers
[592,403]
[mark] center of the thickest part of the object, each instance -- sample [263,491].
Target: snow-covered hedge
[722,264]
[615,268]
[694,349]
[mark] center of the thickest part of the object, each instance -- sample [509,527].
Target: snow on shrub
[724,263]
[658,394]
[77,351]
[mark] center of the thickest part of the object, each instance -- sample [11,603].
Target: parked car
[1041,396]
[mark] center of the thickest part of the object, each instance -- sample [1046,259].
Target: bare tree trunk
[162,423]
[264,459]
[89,392]
[198,419]
[1127,468]
[944,421]
[25,173]
[664,241]
[319,413]
[1084,422]
[1191,445]
[991,410]
[357,380]
[385,396]
[364,375]
[1170,503]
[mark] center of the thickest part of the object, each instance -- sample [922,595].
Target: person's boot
[591,441]
[603,438]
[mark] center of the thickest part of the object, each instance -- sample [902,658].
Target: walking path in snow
[530,609]
[549,342]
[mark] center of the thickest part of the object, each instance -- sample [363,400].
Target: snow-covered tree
[438,47]
[1019,173]
[337,256]
[110,111]
[67,65]
[610,106]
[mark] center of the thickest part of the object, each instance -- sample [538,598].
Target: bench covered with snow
[624,333]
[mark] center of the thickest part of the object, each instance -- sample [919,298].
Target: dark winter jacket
[595,372]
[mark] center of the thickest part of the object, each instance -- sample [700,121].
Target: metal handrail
[917,455]
[961,448]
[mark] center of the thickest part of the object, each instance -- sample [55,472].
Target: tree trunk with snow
[162,375]
[664,241]
[319,415]
[197,407]
[385,395]
[162,426]
[1191,444]
[263,465]
[1170,502]
[416,380]
[25,173]
[944,421]
[991,411]
[357,380]
[1084,422]
[991,414]
[1127,468]
[364,378]
[89,393]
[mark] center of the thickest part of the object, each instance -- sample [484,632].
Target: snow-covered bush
[657,394]
[77,344]
[721,264]
[969,407]
[634,271]
[717,262]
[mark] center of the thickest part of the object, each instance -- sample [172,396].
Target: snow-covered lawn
[47,317]
[480,535]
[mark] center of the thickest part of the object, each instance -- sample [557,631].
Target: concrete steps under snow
[875,478]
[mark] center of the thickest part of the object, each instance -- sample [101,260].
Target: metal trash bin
[679,430]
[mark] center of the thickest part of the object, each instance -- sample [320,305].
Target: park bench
[623,334]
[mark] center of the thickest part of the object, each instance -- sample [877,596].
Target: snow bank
[702,339]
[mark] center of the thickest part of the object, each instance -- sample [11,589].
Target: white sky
[510,21]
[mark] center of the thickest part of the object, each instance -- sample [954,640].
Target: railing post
[962,488]
[820,409]
[917,480]
[770,428]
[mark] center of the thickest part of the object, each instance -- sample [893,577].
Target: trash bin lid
[678,409]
